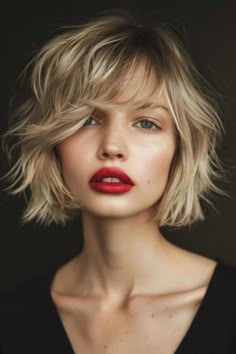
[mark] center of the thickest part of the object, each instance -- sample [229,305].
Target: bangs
[109,63]
[139,78]
[100,73]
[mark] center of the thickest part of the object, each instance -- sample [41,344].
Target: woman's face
[140,142]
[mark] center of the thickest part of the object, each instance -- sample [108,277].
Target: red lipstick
[115,187]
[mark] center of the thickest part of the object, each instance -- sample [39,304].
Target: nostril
[105,154]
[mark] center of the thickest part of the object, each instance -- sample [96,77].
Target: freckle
[148,182]
[126,332]
[105,347]
[153,315]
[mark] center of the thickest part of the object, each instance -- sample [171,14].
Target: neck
[123,256]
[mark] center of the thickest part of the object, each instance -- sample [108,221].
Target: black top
[30,324]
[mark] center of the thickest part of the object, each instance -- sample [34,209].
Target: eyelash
[141,120]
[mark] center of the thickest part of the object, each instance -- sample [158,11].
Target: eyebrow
[146,105]
[151,105]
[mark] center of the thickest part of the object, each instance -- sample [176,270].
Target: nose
[113,144]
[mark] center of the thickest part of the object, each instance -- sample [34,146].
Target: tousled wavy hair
[86,66]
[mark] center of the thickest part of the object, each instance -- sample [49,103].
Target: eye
[149,124]
[146,124]
[88,121]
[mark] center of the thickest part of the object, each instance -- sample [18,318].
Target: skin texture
[117,227]
[129,285]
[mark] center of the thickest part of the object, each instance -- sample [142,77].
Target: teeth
[111,179]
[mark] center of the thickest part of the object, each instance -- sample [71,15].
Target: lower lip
[114,188]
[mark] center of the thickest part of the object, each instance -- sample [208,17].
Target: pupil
[88,121]
[146,124]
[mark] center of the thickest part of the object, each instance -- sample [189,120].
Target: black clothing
[30,324]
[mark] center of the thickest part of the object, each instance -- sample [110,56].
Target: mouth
[111,180]
[111,175]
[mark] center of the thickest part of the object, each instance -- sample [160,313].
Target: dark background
[210,31]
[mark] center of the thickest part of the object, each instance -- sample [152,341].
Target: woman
[119,130]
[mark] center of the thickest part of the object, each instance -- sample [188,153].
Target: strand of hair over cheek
[49,198]
[89,67]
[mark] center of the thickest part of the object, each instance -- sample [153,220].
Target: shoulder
[218,278]
[226,275]
[224,283]
[200,270]
[221,290]
[218,309]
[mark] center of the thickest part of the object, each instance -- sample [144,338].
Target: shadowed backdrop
[210,33]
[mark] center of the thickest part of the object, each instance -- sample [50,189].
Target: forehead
[140,83]
[139,87]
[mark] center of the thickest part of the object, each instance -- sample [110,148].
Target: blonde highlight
[90,65]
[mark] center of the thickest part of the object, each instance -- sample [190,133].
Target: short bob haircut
[88,66]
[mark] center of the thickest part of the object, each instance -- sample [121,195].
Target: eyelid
[154,120]
[149,118]
[144,118]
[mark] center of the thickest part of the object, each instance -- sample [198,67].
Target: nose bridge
[113,140]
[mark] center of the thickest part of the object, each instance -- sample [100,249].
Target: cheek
[157,163]
[71,158]
[154,172]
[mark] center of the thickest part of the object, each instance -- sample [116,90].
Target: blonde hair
[88,66]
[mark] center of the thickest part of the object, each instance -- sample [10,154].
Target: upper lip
[111,172]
